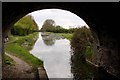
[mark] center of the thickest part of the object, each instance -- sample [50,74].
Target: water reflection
[56,57]
[49,38]
[49,41]
[60,63]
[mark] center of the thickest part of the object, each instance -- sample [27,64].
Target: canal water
[54,51]
[60,62]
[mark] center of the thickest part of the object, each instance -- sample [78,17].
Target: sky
[62,18]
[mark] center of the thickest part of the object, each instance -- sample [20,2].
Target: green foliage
[65,35]
[48,25]
[81,41]
[17,50]
[89,52]
[26,41]
[82,38]
[60,30]
[16,47]
[24,26]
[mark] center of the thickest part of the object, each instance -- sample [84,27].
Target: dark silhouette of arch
[102,18]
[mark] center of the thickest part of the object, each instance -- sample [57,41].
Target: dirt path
[20,70]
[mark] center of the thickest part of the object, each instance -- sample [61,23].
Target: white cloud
[61,17]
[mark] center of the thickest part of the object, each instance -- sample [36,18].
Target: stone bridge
[102,19]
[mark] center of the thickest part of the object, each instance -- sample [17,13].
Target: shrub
[82,38]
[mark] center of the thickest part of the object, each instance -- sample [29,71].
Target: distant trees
[24,26]
[48,25]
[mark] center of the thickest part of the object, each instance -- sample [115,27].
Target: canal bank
[42,73]
[19,46]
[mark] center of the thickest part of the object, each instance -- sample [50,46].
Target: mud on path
[21,70]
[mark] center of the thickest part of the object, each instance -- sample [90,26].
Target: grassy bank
[66,35]
[24,41]
[20,46]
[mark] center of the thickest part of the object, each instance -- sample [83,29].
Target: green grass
[29,40]
[14,47]
[65,35]
[9,61]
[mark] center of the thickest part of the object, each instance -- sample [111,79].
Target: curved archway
[98,21]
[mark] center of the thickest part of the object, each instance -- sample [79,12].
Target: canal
[60,62]
[54,51]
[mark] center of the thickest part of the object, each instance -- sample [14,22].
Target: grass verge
[15,47]
[65,35]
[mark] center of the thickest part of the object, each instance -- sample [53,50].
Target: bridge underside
[102,18]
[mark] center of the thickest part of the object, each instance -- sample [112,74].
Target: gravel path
[20,70]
